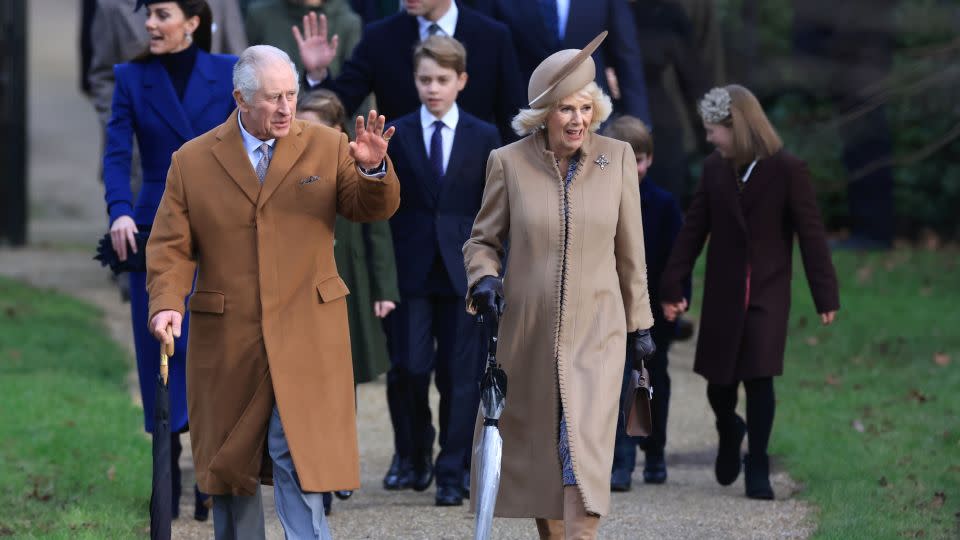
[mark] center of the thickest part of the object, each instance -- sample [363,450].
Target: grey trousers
[301,514]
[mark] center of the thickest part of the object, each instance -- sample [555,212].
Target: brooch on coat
[602,161]
[309,180]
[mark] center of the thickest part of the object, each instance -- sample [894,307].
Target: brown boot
[550,529]
[578,524]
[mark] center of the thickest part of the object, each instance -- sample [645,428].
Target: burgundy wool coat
[746,295]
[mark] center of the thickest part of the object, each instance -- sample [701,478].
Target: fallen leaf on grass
[938,499]
[812,341]
[858,425]
[926,291]
[856,360]
[4,531]
[864,273]
[883,481]
[832,380]
[14,354]
[917,396]
[941,359]
[954,468]
[112,472]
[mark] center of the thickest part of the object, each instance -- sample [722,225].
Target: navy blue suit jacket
[382,63]
[586,19]
[146,105]
[662,220]
[437,216]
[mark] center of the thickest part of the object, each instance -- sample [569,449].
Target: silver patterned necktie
[264,162]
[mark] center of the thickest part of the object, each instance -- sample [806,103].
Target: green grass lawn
[868,416]
[74,462]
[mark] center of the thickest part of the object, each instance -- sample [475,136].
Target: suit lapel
[201,89]
[456,154]
[286,152]
[163,98]
[419,160]
[232,156]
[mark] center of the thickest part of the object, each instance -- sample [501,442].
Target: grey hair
[246,72]
[529,120]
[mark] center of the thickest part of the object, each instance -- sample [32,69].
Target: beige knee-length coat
[568,307]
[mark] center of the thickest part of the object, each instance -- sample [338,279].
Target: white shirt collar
[447,22]
[250,142]
[449,120]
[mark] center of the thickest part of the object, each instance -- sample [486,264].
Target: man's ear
[241,103]
[461,81]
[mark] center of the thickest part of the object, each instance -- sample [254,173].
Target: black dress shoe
[620,480]
[423,473]
[343,494]
[756,477]
[655,469]
[727,465]
[201,504]
[327,503]
[399,476]
[449,496]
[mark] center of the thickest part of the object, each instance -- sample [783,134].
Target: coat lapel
[728,183]
[756,185]
[232,156]
[163,98]
[286,152]
[201,89]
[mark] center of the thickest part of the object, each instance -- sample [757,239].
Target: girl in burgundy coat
[753,198]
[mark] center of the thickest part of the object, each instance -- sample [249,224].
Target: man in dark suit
[381,62]
[543,27]
[441,152]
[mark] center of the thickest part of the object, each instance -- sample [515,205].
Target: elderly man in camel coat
[249,209]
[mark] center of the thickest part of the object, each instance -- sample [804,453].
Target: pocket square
[309,180]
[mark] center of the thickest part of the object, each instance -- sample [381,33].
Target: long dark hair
[203,36]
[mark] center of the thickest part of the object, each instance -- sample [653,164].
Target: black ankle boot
[654,468]
[756,476]
[727,466]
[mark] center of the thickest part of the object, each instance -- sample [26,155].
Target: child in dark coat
[661,223]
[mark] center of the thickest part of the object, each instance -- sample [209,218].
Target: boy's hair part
[633,131]
[446,51]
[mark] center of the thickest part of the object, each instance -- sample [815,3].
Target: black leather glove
[640,344]
[487,297]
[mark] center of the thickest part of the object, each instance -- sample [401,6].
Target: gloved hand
[487,297]
[640,344]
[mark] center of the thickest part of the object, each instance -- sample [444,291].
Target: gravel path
[67,215]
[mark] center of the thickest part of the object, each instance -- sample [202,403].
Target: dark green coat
[268,22]
[364,254]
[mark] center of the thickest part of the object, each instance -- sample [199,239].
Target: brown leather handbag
[636,404]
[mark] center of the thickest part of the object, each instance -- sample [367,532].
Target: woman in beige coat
[567,203]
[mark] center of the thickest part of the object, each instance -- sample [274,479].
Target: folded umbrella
[487,454]
[161,500]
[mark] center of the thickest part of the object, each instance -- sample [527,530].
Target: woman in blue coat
[170,94]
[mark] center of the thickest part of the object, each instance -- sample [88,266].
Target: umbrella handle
[166,351]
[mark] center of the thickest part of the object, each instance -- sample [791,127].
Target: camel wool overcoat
[268,318]
[575,284]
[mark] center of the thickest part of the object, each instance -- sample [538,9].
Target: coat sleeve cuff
[165,302]
[118,209]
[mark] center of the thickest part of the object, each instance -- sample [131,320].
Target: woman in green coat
[364,255]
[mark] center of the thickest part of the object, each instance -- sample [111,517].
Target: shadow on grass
[74,461]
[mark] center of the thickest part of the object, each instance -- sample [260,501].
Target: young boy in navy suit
[440,154]
[661,224]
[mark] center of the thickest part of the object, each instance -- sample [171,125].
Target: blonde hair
[632,130]
[753,135]
[529,120]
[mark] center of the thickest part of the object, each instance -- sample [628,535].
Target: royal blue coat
[145,104]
